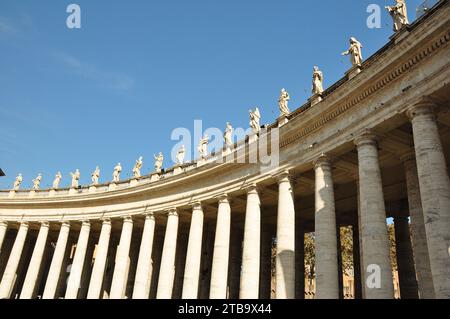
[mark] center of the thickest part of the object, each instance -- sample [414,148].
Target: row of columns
[428,189]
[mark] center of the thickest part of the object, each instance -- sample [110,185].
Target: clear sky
[116,88]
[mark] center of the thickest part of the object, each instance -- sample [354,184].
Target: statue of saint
[75,178]
[399,14]
[181,155]
[116,173]
[17,182]
[283,102]
[37,182]
[159,159]
[57,180]
[203,147]
[95,176]
[228,136]
[355,52]
[317,82]
[255,117]
[137,168]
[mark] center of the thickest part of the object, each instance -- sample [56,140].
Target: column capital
[223,198]
[367,137]
[196,205]
[45,224]
[3,223]
[85,223]
[322,161]
[65,223]
[149,215]
[127,219]
[24,224]
[282,177]
[106,220]
[425,107]
[172,212]
[251,188]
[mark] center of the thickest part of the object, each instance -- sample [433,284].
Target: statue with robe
[95,176]
[255,117]
[228,136]
[75,178]
[17,182]
[57,180]
[159,159]
[37,182]
[116,173]
[181,155]
[399,14]
[203,147]
[137,168]
[283,102]
[355,52]
[317,82]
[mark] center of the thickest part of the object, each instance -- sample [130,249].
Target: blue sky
[116,88]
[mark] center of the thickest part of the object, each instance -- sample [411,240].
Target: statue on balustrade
[57,180]
[75,178]
[137,168]
[283,102]
[203,147]
[317,83]
[95,176]
[17,182]
[116,173]
[228,136]
[399,14]
[159,159]
[355,52]
[255,117]
[181,155]
[37,182]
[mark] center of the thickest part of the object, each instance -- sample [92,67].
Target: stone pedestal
[52,193]
[354,71]
[154,177]
[177,170]
[282,120]
[72,191]
[252,138]
[316,98]
[32,193]
[12,194]
[92,189]
[201,162]
[112,186]
[133,182]
[400,34]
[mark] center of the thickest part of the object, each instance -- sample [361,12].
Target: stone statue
[75,178]
[116,173]
[355,52]
[95,176]
[399,14]
[181,155]
[17,182]
[283,102]
[57,180]
[228,136]
[203,147]
[159,159]
[317,82]
[137,168]
[255,117]
[37,182]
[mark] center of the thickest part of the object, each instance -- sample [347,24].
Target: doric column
[101,254]
[327,277]
[3,229]
[167,271]
[418,234]
[120,276]
[435,194]
[357,287]
[56,265]
[219,270]
[34,266]
[405,261]
[76,270]
[249,288]
[145,263]
[375,241]
[285,254]
[9,274]
[194,254]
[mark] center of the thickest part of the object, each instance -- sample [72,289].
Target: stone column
[145,263]
[219,271]
[54,272]
[405,261]
[98,271]
[3,229]
[74,281]
[249,288]
[9,274]
[375,241]
[285,255]
[29,285]
[419,238]
[435,193]
[194,254]
[327,277]
[167,271]
[357,287]
[119,281]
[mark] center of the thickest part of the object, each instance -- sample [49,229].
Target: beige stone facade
[377,145]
